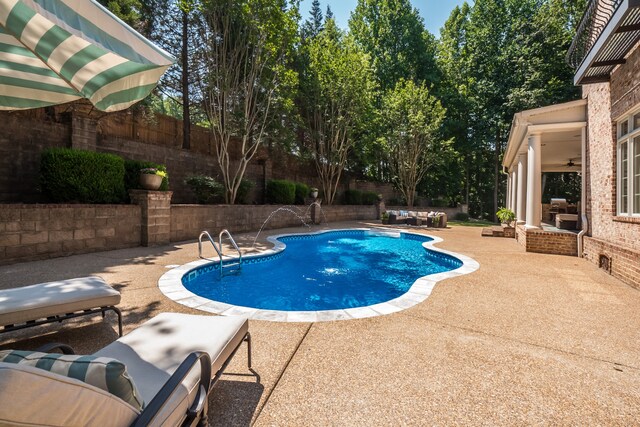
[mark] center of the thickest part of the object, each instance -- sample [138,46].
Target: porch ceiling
[560,127]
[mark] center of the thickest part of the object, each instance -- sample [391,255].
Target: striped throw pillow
[102,372]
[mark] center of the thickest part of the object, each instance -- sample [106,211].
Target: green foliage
[563,185]
[206,189]
[132,174]
[506,216]
[68,175]
[127,10]
[242,196]
[393,34]
[369,198]
[461,216]
[337,90]
[281,192]
[412,118]
[249,85]
[352,197]
[499,57]
[302,191]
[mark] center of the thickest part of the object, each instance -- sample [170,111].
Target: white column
[521,206]
[508,193]
[534,182]
[514,192]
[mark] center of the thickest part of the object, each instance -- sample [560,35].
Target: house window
[628,170]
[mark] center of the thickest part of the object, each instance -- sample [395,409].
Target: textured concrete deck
[526,339]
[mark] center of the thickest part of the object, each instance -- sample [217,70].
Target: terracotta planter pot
[150,182]
[314,194]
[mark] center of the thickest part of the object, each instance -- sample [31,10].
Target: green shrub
[281,192]
[206,189]
[461,216]
[506,216]
[242,196]
[352,197]
[439,203]
[68,175]
[302,191]
[369,198]
[132,174]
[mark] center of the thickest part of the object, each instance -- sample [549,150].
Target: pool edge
[170,284]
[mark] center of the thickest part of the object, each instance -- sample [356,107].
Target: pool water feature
[321,276]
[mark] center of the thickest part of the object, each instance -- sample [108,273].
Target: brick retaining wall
[547,242]
[624,263]
[30,232]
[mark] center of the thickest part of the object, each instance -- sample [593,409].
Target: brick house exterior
[606,55]
[612,241]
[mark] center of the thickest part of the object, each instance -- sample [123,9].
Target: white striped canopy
[56,51]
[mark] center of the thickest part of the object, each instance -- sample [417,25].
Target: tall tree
[248,82]
[314,24]
[393,34]
[338,91]
[413,118]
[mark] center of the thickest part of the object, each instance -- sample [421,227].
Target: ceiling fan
[571,164]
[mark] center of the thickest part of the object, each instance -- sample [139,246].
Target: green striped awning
[56,51]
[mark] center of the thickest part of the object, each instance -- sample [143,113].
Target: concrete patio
[527,339]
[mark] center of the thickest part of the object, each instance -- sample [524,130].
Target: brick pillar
[156,216]
[380,207]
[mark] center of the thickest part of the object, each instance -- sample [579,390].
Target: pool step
[498,231]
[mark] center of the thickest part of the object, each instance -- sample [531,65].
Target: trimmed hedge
[352,197]
[281,192]
[242,196]
[369,198]
[302,191]
[461,216]
[68,175]
[132,174]
[206,189]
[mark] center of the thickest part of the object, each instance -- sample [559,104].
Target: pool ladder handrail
[219,250]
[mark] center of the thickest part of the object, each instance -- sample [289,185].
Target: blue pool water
[328,271]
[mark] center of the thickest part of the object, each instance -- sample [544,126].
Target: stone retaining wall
[30,232]
[188,221]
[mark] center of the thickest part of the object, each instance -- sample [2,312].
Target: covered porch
[545,140]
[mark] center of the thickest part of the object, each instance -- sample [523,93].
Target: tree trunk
[186,116]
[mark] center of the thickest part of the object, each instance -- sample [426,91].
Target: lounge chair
[169,364]
[56,301]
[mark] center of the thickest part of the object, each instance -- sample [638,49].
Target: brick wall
[625,263]
[187,221]
[616,237]
[547,242]
[128,134]
[29,232]
[22,139]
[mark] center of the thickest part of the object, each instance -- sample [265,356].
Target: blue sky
[434,12]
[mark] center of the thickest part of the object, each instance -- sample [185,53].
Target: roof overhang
[560,127]
[608,31]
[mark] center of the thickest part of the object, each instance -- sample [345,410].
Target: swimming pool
[321,276]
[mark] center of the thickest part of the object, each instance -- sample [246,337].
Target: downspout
[583,198]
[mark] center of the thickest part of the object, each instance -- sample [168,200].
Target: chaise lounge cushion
[102,372]
[65,402]
[154,350]
[43,300]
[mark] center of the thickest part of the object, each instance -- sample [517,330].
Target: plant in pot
[151,178]
[314,192]
[507,217]
[385,217]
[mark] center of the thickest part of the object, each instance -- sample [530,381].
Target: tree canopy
[267,77]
